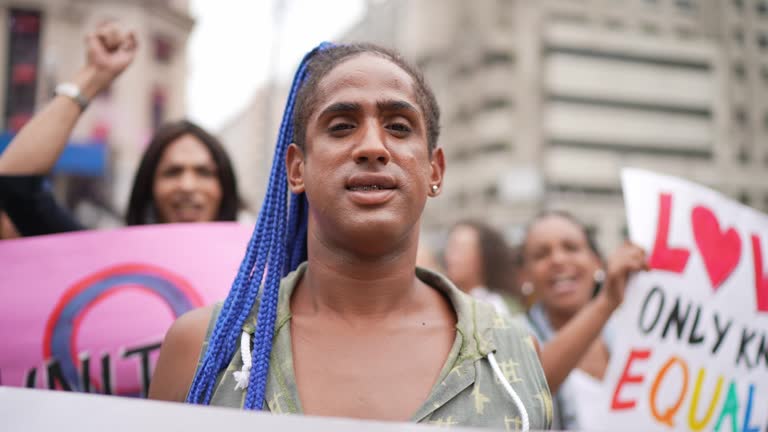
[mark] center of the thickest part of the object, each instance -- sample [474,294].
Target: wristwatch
[72,91]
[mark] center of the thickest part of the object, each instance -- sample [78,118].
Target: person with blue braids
[328,314]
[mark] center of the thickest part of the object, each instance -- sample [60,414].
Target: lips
[187,210]
[371,188]
[371,182]
[563,284]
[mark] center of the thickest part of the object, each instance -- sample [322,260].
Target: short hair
[141,205]
[279,241]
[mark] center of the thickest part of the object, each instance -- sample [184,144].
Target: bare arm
[179,355]
[37,146]
[563,352]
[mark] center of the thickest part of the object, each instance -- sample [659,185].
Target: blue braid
[297,232]
[279,239]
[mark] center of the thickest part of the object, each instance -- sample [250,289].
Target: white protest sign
[692,336]
[25,410]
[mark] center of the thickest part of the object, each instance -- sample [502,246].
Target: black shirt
[29,203]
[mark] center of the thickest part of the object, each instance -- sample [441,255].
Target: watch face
[68,89]
[72,91]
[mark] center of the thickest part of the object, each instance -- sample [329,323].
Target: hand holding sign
[629,258]
[694,348]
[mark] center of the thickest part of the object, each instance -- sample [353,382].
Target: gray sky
[229,50]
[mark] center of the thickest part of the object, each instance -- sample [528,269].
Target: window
[494,104]
[23,58]
[158,106]
[762,41]
[497,57]
[740,117]
[762,7]
[649,28]
[491,192]
[744,198]
[492,147]
[738,36]
[685,5]
[743,154]
[163,49]
[739,71]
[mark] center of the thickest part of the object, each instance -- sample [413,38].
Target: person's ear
[294,167]
[436,172]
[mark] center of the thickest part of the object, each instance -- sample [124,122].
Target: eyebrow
[341,107]
[384,105]
[395,105]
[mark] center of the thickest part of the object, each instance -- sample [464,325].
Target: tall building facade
[249,137]
[42,43]
[543,102]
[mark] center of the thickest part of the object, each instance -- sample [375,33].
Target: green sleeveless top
[467,392]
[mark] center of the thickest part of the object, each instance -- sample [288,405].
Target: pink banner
[87,311]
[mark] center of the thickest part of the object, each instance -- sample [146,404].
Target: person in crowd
[479,261]
[344,323]
[577,292]
[185,175]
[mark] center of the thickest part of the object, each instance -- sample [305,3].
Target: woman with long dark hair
[184,175]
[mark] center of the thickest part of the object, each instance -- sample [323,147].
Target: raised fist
[110,49]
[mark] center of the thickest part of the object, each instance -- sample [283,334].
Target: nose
[188,181]
[557,256]
[371,146]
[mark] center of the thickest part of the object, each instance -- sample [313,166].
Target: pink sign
[87,311]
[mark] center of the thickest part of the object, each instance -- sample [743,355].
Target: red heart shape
[720,251]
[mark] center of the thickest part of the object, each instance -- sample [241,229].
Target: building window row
[740,72]
[745,198]
[761,6]
[761,39]
[23,32]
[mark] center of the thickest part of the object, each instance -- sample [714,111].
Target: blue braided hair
[273,236]
[279,240]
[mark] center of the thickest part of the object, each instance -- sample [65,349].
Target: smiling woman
[562,264]
[184,175]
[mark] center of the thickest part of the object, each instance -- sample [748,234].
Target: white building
[543,102]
